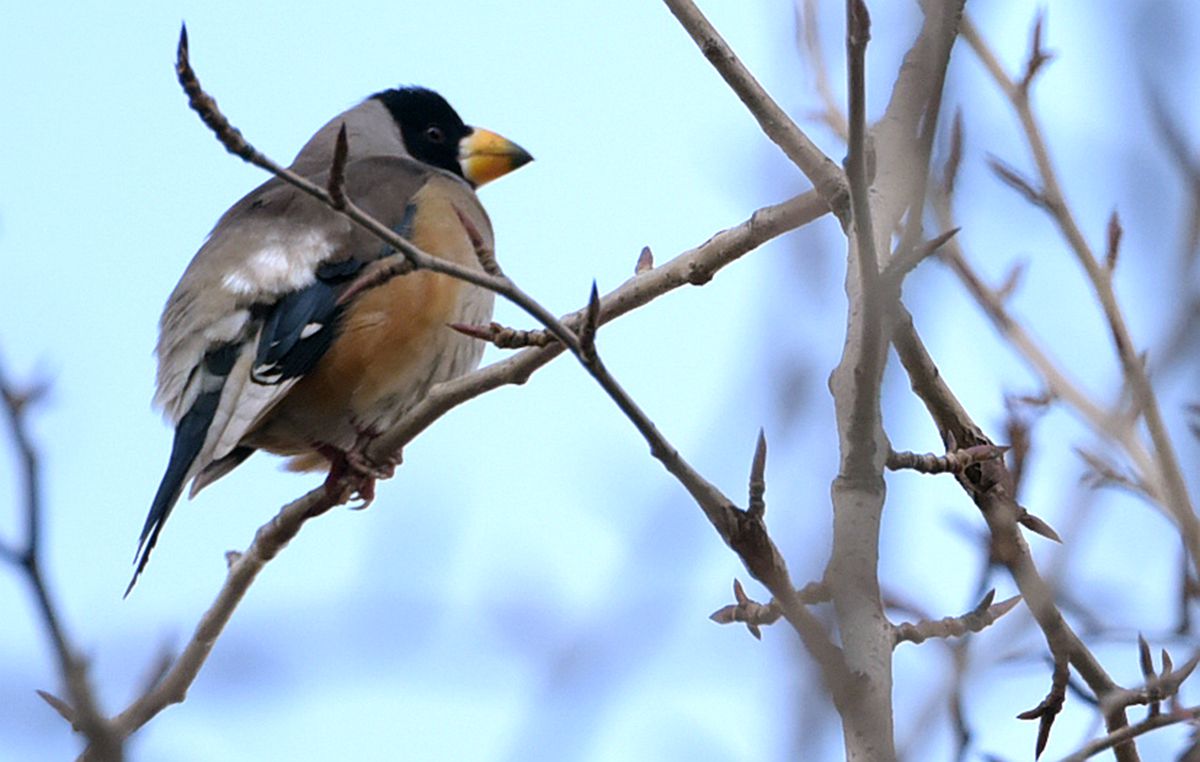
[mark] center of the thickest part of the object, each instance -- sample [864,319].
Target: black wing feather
[301,326]
[296,332]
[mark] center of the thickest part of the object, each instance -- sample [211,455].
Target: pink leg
[355,466]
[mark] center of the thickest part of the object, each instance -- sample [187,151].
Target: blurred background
[532,585]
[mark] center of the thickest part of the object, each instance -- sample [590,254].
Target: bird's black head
[431,129]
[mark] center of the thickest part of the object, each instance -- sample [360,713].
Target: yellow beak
[484,156]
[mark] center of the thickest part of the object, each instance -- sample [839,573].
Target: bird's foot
[353,473]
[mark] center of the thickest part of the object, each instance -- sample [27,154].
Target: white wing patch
[286,262]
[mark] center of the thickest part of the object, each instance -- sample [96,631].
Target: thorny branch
[1166,473]
[990,486]
[1157,473]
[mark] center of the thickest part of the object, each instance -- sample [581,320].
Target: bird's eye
[435,134]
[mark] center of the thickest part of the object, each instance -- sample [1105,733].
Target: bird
[282,336]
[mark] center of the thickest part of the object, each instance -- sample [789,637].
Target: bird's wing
[256,309]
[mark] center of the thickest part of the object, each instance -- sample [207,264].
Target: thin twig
[952,462]
[504,337]
[1168,472]
[1057,380]
[755,615]
[906,259]
[1048,709]
[990,487]
[268,541]
[858,33]
[82,708]
[808,39]
[1125,734]
[975,620]
[693,267]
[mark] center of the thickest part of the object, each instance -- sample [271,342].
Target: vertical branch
[858,490]
[881,181]
[858,34]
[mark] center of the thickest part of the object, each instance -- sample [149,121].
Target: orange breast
[394,343]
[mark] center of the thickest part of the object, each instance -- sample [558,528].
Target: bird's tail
[190,434]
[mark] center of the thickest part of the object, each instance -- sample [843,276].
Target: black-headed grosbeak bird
[257,349]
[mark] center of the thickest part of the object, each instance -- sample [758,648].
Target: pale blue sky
[531,585]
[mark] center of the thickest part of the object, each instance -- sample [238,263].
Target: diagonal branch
[243,568]
[694,267]
[1126,734]
[828,180]
[745,533]
[1168,473]
[904,135]
[990,486]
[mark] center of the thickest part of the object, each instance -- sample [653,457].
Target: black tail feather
[190,434]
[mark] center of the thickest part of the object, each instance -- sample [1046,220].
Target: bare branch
[755,614]
[1038,56]
[1015,180]
[825,176]
[975,620]
[990,487]
[693,267]
[505,337]
[954,159]
[746,610]
[268,541]
[953,462]
[1114,242]
[1130,732]
[1158,686]
[858,33]
[82,710]
[808,29]
[1164,468]
[1103,473]
[907,260]
[1059,385]
[904,136]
